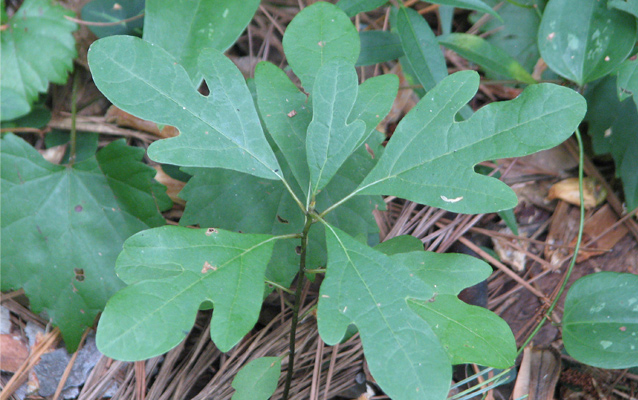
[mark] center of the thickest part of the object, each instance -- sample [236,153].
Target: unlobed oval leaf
[258,379]
[318,34]
[583,40]
[171,272]
[221,130]
[430,158]
[420,47]
[600,322]
[378,47]
[480,51]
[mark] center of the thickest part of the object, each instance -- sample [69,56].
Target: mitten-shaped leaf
[171,272]
[63,227]
[220,130]
[370,289]
[430,158]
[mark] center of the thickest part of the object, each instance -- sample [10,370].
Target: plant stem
[294,196]
[295,309]
[74,112]
[576,248]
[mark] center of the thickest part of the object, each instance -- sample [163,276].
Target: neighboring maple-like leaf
[36,48]
[370,289]
[430,158]
[171,272]
[221,130]
[63,227]
[186,27]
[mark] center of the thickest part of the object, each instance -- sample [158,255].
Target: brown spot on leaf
[210,231]
[298,250]
[282,220]
[78,208]
[292,114]
[369,150]
[207,267]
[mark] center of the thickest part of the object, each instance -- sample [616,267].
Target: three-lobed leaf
[36,48]
[171,271]
[369,289]
[469,334]
[430,158]
[63,227]
[220,130]
[330,138]
[600,322]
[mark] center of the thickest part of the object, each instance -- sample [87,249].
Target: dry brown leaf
[598,223]
[14,352]
[173,186]
[122,118]
[593,192]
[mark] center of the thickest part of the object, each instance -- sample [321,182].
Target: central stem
[297,304]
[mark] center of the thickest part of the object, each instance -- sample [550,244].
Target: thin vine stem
[74,112]
[576,248]
[295,309]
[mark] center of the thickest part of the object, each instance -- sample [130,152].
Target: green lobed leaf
[378,47]
[368,288]
[63,227]
[112,12]
[287,112]
[430,158]
[422,52]
[318,34]
[221,130]
[220,197]
[258,379]
[469,334]
[186,27]
[612,127]
[171,271]
[583,40]
[600,322]
[330,138]
[36,48]
[354,7]
[486,55]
